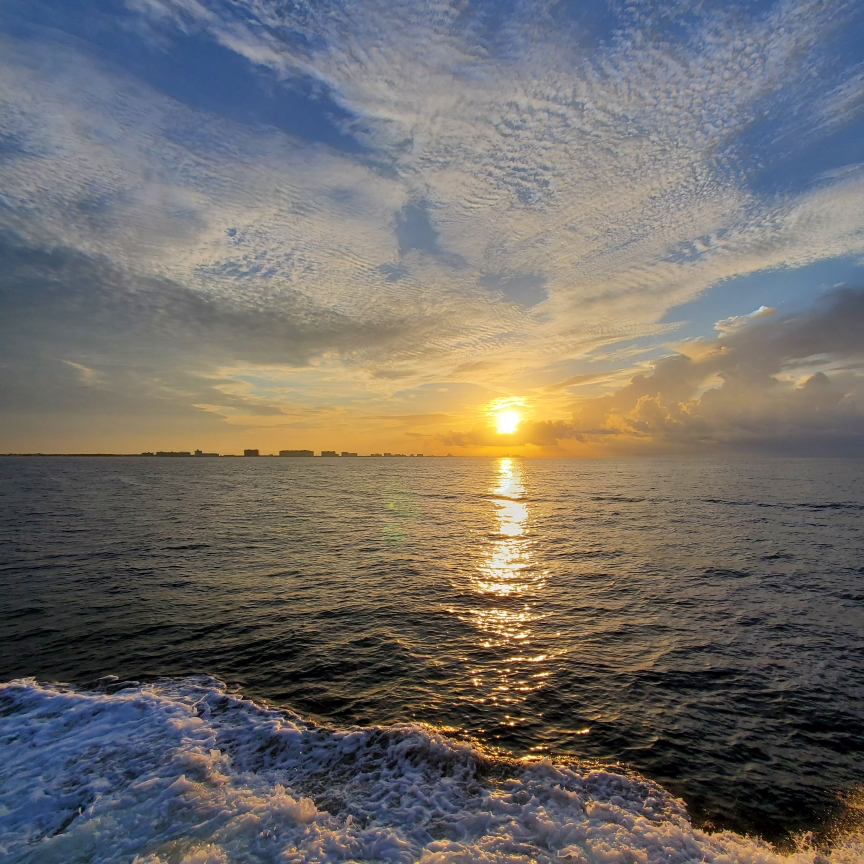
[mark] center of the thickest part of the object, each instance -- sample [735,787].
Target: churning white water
[183,771]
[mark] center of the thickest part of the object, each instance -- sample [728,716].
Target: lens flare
[507,421]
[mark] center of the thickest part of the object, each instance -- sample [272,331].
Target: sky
[369,226]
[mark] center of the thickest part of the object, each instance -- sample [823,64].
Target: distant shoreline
[215,456]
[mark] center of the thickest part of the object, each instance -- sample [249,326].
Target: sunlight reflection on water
[508,579]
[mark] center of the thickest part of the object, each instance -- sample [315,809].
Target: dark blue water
[702,622]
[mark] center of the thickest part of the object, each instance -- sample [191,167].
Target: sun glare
[507,421]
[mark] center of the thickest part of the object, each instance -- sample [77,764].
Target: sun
[507,421]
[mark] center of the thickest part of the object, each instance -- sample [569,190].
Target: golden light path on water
[507,583]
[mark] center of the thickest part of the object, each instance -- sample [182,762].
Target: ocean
[431,659]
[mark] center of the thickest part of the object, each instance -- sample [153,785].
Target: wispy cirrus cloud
[86,376]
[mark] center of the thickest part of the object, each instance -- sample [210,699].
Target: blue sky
[366,225]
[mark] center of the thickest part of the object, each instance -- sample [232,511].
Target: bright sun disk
[507,421]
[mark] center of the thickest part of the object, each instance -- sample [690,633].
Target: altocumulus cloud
[403,189]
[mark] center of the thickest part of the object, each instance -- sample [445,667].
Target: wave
[185,772]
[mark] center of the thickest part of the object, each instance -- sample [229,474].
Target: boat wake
[184,772]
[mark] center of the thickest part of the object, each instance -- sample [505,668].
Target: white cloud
[86,376]
[613,172]
[736,322]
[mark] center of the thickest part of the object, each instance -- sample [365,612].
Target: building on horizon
[251,452]
[173,453]
[202,453]
[346,453]
[329,453]
[296,452]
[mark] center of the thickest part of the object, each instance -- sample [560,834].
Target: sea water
[430,659]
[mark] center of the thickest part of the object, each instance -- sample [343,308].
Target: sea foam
[184,772]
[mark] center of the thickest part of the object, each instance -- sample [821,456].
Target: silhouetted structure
[346,453]
[173,453]
[329,453]
[250,453]
[296,452]
[201,453]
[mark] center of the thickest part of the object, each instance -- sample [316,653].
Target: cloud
[148,339]
[409,193]
[736,322]
[576,381]
[86,376]
[497,157]
[411,420]
[754,387]
[587,167]
[540,433]
[526,289]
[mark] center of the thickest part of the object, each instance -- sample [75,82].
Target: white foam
[181,772]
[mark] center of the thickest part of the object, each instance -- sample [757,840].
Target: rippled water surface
[701,622]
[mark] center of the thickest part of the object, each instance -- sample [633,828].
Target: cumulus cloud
[736,322]
[793,383]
